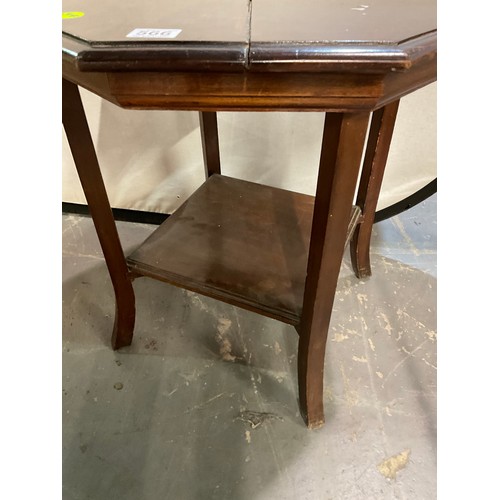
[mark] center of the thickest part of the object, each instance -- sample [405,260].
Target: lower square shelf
[236,241]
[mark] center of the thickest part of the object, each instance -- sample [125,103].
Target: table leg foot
[360,255]
[372,174]
[310,374]
[123,328]
[317,424]
[343,141]
[87,166]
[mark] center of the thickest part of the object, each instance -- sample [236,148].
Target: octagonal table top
[265,35]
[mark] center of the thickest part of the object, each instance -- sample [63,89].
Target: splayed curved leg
[343,141]
[82,149]
[377,151]
[123,328]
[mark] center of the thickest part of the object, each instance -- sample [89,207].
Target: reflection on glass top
[329,21]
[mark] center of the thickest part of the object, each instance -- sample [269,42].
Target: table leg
[210,142]
[84,155]
[377,151]
[342,148]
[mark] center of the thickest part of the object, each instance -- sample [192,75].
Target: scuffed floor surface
[203,405]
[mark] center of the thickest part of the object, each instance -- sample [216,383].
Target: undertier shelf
[240,242]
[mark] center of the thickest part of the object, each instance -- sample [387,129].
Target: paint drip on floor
[392,465]
[225,346]
[256,418]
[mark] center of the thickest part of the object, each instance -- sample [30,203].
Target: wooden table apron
[360,99]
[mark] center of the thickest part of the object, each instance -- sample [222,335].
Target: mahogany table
[271,251]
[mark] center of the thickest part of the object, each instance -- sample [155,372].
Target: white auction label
[153,33]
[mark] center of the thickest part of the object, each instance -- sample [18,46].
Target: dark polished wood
[271,251]
[254,91]
[236,241]
[239,242]
[210,142]
[99,41]
[379,26]
[108,23]
[341,153]
[82,149]
[377,151]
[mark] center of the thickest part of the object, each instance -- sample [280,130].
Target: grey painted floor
[204,403]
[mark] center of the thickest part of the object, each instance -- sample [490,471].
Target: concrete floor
[204,403]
